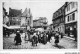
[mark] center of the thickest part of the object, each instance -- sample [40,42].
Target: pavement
[65,43]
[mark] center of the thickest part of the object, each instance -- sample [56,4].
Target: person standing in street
[34,39]
[39,37]
[61,35]
[44,38]
[49,35]
[68,31]
[26,36]
[56,38]
[75,34]
[52,40]
[17,38]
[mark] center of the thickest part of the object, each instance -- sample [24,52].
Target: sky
[38,8]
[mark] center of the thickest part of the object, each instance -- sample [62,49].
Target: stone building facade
[71,16]
[14,16]
[40,23]
[59,19]
[26,19]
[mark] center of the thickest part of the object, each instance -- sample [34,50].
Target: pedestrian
[44,38]
[34,39]
[41,37]
[68,31]
[61,34]
[31,35]
[8,32]
[54,33]
[49,35]
[17,38]
[75,33]
[56,38]
[28,31]
[26,36]
[52,40]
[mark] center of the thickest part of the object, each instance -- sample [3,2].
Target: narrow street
[65,43]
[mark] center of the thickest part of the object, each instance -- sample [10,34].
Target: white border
[36,50]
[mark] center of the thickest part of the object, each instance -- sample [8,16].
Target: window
[58,29]
[73,4]
[28,22]
[57,14]
[68,7]
[68,18]
[60,11]
[73,16]
[61,19]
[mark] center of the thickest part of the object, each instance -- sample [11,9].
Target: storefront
[71,29]
[56,27]
[62,28]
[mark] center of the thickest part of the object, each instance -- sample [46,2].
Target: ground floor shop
[60,28]
[71,29]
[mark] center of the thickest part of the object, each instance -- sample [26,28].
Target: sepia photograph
[40,25]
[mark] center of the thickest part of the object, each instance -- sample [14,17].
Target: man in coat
[17,39]
[49,35]
[34,39]
[44,38]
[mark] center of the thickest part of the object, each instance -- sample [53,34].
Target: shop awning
[14,27]
[11,27]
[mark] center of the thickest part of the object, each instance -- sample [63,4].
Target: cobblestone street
[65,43]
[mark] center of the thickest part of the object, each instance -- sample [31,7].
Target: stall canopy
[11,27]
[39,29]
[14,27]
[5,26]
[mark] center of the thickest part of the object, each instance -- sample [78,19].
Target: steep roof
[14,12]
[26,13]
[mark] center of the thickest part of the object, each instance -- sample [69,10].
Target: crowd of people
[39,37]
